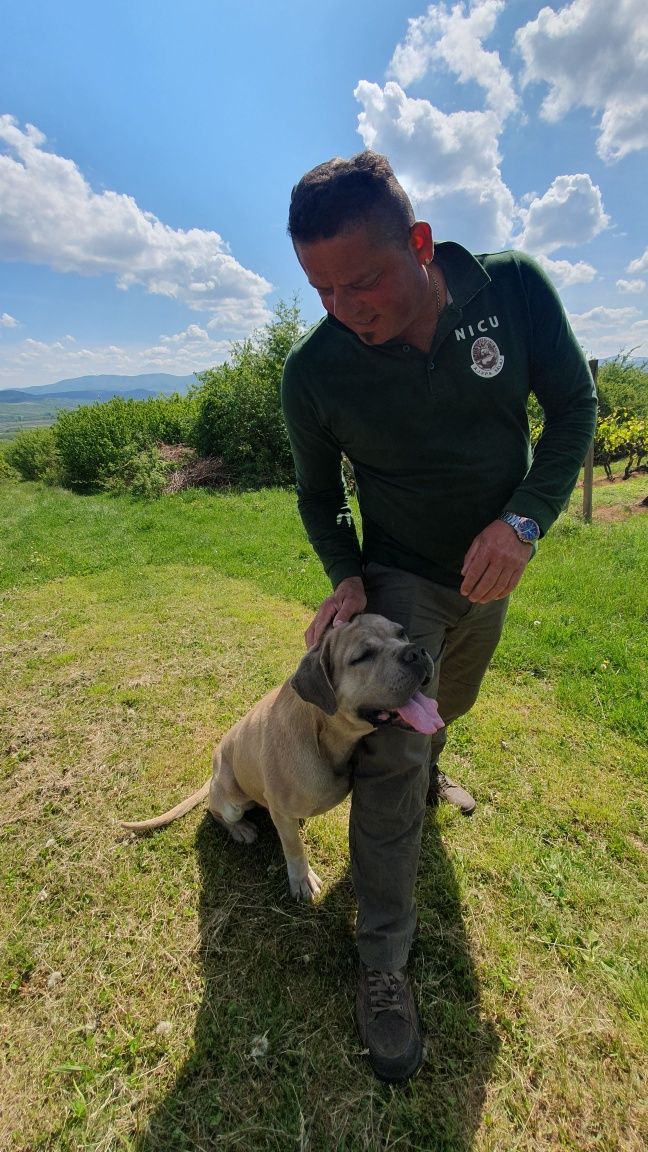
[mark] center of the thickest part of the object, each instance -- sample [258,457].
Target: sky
[148,151]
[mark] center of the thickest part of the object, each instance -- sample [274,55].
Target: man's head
[339,195]
[355,236]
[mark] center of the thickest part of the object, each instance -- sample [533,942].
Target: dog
[291,753]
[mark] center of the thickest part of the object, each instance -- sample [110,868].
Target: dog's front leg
[304,883]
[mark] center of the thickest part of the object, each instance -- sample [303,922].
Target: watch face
[528,530]
[524,527]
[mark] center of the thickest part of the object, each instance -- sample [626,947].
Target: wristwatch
[524,527]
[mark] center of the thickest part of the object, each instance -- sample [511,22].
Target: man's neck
[421,331]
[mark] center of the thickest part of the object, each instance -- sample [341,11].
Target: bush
[623,384]
[239,414]
[7,472]
[144,474]
[34,455]
[170,419]
[621,435]
[96,442]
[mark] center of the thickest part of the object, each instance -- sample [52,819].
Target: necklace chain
[437,294]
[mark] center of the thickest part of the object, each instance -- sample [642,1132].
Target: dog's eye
[366,655]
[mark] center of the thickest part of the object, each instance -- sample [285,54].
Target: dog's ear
[312,680]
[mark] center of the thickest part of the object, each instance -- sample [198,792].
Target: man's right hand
[338,608]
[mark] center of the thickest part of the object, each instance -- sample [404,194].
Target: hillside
[33,407]
[153,382]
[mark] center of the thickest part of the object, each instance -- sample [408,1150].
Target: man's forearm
[557,461]
[329,525]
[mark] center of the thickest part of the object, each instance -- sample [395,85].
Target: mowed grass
[165,993]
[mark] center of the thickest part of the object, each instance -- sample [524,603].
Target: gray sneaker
[445,789]
[389,1024]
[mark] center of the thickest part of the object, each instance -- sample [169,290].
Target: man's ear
[421,241]
[312,680]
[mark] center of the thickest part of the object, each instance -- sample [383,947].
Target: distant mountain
[14,396]
[147,382]
[74,399]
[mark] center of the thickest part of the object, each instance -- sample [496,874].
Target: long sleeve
[321,495]
[561,380]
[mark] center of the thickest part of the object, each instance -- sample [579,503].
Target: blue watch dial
[528,531]
[524,527]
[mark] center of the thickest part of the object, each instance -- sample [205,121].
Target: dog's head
[369,671]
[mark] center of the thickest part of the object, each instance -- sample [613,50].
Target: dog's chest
[322,792]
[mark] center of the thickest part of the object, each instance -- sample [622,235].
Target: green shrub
[143,474]
[7,472]
[239,414]
[97,441]
[34,455]
[618,436]
[622,384]
[536,418]
[170,419]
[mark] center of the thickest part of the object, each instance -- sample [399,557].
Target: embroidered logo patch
[487,360]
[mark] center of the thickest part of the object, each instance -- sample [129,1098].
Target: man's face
[378,290]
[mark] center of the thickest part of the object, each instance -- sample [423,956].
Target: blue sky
[148,150]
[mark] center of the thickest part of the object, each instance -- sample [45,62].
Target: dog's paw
[243,831]
[305,888]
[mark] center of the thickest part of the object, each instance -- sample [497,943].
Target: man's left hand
[494,564]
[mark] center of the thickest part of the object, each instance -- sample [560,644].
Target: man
[420,373]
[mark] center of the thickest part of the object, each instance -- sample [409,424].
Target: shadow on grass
[276,1062]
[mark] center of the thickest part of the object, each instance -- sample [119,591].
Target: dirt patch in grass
[612,513]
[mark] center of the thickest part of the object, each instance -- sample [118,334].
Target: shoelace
[385,991]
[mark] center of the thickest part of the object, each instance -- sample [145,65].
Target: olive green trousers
[391,767]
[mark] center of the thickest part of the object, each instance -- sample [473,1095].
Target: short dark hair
[339,195]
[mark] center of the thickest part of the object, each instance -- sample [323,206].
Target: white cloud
[566,275]
[50,215]
[193,333]
[38,362]
[603,317]
[631,286]
[606,331]
[639,265]
[593,54]
[448,163]
[571,212]
[7,321]
[454,35]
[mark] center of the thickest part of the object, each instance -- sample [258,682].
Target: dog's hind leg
[304,883]
[227,803]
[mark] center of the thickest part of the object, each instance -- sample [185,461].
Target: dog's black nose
[414,655]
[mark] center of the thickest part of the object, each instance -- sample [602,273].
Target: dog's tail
[180,809]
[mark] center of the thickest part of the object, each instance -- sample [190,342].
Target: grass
[165,993]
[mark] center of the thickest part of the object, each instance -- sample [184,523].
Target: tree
[623,384]
[239,406]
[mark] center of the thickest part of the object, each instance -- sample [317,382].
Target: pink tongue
[422,714]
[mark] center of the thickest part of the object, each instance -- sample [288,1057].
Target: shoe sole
[402,1078]
[384,1076]
[434,801]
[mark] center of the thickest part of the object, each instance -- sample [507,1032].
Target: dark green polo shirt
[439,441]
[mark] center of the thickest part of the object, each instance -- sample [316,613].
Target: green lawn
[165,993]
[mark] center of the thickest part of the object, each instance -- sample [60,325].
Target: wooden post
[588,476]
